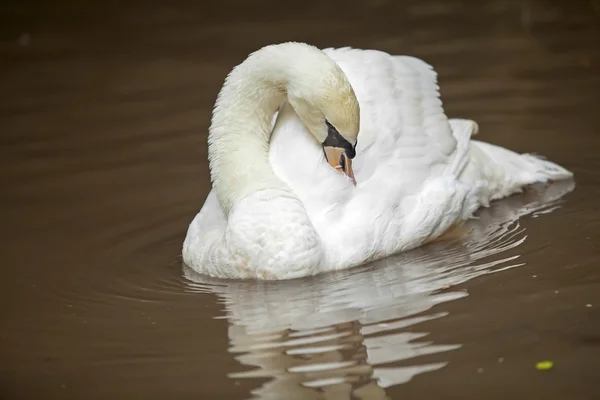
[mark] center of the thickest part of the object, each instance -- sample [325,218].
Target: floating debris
[588,305]
[544,365]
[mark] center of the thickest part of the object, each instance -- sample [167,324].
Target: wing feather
[403,124]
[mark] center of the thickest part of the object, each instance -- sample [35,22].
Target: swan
[323,160]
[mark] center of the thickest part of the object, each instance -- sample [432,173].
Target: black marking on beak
[334,139]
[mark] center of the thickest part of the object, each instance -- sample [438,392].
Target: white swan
[278,210]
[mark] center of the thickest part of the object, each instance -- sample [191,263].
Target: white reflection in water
[354,333]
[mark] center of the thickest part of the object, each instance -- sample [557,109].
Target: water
[103,122]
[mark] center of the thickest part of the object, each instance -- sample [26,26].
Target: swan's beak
[337,158]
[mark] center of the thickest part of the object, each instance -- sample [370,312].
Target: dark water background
[104,110]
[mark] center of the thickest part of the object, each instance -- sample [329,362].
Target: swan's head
[325,102]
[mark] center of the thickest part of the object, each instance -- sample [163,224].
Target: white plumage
[279,211]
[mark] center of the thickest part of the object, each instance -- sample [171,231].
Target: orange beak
[337,158]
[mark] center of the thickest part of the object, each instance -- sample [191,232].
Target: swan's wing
[405,135]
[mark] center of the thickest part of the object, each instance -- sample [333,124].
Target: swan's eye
[335,139]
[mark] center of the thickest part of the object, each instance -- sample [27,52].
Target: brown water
[103,116]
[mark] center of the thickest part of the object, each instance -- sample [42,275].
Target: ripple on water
[126,268]
[355,332]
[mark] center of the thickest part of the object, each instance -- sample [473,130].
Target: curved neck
[240,131]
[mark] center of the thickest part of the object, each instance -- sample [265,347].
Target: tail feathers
[495,172]
[542,170]
[499,172]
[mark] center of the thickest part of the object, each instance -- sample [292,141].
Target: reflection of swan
[343,333]
[278,210]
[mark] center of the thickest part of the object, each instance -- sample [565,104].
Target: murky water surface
[103,121]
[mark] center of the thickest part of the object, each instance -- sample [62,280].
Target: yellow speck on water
[544,365]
